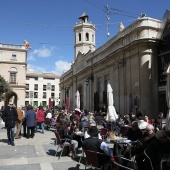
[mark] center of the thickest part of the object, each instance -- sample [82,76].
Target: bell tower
[84,33]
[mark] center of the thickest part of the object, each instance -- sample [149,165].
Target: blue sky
[48,25]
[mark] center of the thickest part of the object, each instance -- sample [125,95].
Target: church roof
[83,15]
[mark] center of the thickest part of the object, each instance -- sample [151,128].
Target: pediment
[79,57]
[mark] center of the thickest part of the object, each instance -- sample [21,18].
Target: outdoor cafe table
[119,142]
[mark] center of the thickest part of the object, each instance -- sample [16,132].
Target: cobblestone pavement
[36,154]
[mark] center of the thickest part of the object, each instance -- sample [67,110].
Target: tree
[4,88]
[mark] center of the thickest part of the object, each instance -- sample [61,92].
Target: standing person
[10,116]
[40,119]
[19,123]
[30,117]
[24,122]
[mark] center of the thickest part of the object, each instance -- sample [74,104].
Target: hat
[77,109]
[142,124]
[93,131]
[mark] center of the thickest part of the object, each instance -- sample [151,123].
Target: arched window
[87,36]
[79,36]
[13,71]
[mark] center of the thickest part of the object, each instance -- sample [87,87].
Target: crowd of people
[147,134]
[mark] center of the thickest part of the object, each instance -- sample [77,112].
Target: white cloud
[36,69]
[43,52]
[61,67]
[31,58]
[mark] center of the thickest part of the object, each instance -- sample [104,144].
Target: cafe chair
[104,133]
[148,159]
[123,163]
[47,123]
[62,143]
[164,160]
[96,160]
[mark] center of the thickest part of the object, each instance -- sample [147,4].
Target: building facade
[42,89]
[134,62]
[13,63]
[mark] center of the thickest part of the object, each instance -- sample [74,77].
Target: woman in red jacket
[40,119]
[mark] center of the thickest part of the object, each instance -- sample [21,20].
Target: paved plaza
[33,154]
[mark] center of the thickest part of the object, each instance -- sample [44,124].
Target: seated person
[64,134]
[149,121]
[143,144]
[74,127]
[84,122]
[92,127]
[93,143]
[53,121]
[134,133]
[159,148]
[127,120]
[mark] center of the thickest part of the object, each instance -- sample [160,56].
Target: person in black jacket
[63,131]
[10,117]
[93,142]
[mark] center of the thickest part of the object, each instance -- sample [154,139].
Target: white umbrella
[111,112]
[77,101]
[168,99]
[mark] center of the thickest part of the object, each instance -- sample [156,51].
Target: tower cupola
[84,33]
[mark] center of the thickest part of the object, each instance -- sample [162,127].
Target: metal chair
[62,143]
[118,163]
[164,160]
[96,160]
[104,133]
[147,156]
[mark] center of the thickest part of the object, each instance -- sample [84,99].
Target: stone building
[13,63]
[133,62]
[27,87]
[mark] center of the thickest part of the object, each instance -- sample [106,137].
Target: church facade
[134,62]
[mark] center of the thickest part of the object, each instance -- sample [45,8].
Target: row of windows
[32,94]
[12,80]
[45,87]
[36,78]
[86,36]
[35,103]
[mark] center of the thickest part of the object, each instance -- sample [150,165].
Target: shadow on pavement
[4,140]
[52,152]
[75,168]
